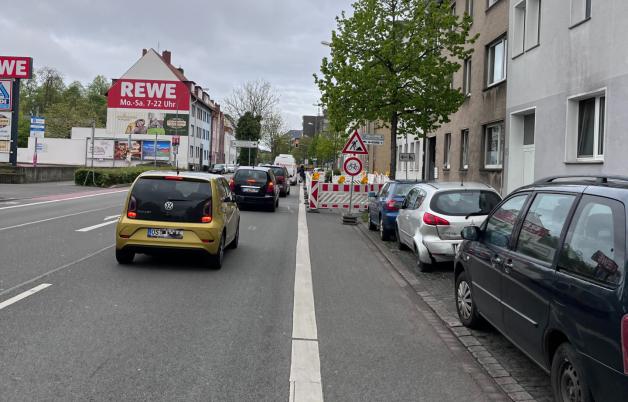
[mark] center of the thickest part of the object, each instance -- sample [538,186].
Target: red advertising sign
[149,94]
[16,67]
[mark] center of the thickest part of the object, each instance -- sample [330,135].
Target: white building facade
[567,89]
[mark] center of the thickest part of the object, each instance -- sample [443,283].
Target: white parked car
[231,168]
[433,215]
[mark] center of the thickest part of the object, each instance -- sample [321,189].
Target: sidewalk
[378,340]
[517,375]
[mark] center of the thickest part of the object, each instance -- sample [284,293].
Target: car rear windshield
[401,189]
[278,171]
[464,202]
[171,200]
[242,176]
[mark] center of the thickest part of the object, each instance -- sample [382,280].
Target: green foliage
[105,177]
[62,106]
[392,60]
[249,128]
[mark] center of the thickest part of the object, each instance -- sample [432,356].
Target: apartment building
[471,146]
[568,89]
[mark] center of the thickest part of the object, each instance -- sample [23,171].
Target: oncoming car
[178,211]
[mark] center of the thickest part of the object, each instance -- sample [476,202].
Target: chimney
[167,56]
[144,51]
[180,70]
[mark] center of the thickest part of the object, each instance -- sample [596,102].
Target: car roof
[602,185]
[456,185]
[184,174]
[261,168]
[274,166]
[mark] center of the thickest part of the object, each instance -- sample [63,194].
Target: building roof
[294,134]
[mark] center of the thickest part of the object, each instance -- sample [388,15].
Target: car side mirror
[372,194]
[471,233]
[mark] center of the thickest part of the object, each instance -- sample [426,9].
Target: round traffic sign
[352,166]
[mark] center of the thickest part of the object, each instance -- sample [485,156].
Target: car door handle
[496,261]
[508,265]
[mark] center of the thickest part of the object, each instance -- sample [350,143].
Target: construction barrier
[336,196]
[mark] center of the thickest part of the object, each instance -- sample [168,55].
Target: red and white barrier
[336,196]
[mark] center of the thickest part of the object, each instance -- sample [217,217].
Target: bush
[106,177]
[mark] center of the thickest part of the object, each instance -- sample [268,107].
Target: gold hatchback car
[178,211]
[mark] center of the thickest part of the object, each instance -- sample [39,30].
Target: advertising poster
[122,150]
[146,122]
[163,150]
[5,126]
[5,95]
[149,95]
[103,149]
[176,124]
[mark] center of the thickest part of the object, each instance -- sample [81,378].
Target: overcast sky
[219,43]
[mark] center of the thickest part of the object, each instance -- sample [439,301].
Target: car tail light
[624,342]
[392,205]
[232,185]
[270,188]
[179,178]
[434,220]
[207,212]
[131,211]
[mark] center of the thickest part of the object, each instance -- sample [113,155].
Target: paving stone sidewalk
[517,375]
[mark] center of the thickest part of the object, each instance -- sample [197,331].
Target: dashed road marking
[53,218]
[87,229]
[23,295]
[63,199]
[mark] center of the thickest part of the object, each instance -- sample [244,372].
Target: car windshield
[401,189]
[185,199]
[465,202]
[278,171]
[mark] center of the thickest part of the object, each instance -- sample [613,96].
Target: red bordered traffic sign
[352,166]
[355,145]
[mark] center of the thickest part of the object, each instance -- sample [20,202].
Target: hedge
[106,177]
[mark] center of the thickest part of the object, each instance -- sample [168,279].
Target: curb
[496,371]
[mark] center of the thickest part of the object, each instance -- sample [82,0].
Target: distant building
[295,137]
[313,125]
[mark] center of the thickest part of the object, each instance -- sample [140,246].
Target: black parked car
[218,168]
[281,174]
[548,269]
[255,186]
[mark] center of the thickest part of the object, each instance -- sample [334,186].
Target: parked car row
[546,267]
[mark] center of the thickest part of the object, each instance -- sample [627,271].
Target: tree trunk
[393,146]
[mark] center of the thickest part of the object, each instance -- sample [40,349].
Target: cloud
[220,44]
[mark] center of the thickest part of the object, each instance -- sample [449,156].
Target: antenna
[158,50]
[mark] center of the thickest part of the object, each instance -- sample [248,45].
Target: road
[303,307]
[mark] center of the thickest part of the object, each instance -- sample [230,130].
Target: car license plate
[165,233]
[250,190]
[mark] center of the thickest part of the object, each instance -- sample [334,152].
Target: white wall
[56,151]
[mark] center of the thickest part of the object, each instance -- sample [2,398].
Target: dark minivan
[281,174]
[255,186]
[548,269]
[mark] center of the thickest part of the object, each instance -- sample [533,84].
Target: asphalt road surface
[303,310]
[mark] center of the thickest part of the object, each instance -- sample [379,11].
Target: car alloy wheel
[568,383]
[463,300]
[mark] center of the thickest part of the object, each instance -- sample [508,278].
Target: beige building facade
[471,146]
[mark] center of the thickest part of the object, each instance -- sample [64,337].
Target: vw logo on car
[168,206]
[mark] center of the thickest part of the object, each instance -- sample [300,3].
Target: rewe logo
[15,67]
[148,90]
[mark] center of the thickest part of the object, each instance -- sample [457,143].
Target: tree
[274,133]
[303,151]
[249,128]
[393,61]
[256,97]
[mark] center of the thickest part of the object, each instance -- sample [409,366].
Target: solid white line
[87,229]
[23,295]
[54,218]
[305,367]
[63,199]
[111,217]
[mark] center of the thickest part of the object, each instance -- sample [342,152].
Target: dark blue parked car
[384,207]
[548,269]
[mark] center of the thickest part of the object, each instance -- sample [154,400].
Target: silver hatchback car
[433,215]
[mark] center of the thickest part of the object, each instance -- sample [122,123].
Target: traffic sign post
[353,167]
[38,128]
[355,145]
[15,68]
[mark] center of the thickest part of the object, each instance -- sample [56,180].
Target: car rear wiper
[476,213]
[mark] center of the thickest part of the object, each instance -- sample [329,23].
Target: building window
[192,151]
[496,60]
[493,146]
[464,150]
[466,79]
[526,22]
[580,11]
[417,157]
[468,7]
[192,126]
[399,154]
[446,159]
[412,151]
[591,127]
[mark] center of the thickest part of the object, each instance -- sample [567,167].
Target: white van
[290,164]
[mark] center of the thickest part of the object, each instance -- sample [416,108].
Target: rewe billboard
[16,67]
[149,94]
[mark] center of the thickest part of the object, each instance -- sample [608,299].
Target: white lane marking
[111,217]
[63,199]
[52,271]
[54,218]
[23,295]
[252,228]
[305,366]
[87,229]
